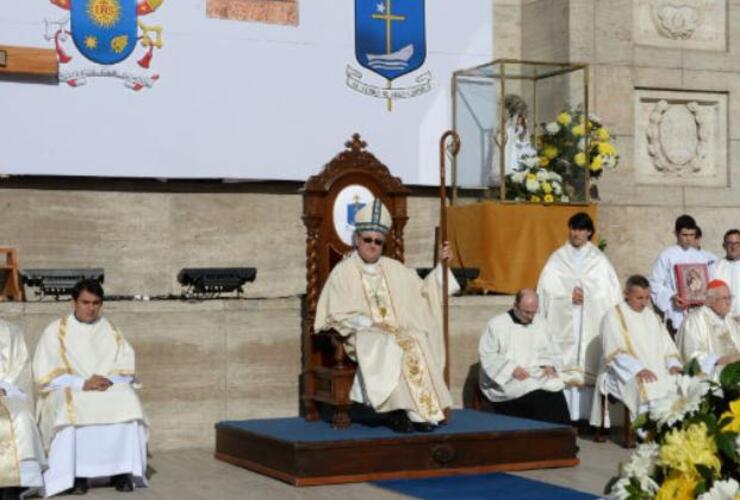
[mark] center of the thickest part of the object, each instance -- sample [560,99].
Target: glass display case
[524,132]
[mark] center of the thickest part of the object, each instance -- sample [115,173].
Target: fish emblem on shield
[390,41]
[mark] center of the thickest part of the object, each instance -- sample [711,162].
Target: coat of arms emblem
[390,41]
[106,32]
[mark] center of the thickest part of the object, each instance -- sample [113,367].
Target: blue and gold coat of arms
[390,41]
[106,32]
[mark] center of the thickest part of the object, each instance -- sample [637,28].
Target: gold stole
[10,474]
[415,368]
[630,350]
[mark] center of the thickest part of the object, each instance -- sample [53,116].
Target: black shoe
[11,493]
[123,483]
[80,487]
[424,426]
[398,421]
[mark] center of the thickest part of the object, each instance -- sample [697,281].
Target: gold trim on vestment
[631,349]
[62,336]
[52,375]
[8,451]
[614,354]
[415,366]
[70,405]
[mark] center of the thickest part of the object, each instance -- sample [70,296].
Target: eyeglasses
[377,241]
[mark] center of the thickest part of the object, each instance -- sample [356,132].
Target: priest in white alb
[519,366]
[22,457]
[576,287]
[392,321]
[640,357]
[709,334]
[728,269]
[89,414]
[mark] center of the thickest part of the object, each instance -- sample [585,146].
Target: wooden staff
[454,148]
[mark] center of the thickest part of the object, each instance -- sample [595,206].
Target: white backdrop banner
[233,99]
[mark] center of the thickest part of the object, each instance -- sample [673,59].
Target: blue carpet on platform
[470,487]
[297,429]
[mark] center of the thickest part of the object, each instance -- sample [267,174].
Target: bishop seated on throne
[392,323]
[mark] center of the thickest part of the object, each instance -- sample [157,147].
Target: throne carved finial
[356,145]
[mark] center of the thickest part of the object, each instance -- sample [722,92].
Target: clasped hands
[577,297]
[646,375]
[520,373]
[97,383]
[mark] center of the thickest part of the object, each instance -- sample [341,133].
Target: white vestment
[574,329]
[663,279]
[393,324]
[633,341]
[88,433]
[21,453]
[506,345]
[706,337]
[729,272]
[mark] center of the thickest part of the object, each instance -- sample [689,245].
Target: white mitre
[373,217]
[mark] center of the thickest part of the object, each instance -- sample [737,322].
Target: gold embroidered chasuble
[19,438]
[581,349]
[70,347]
[643,338]
[393,322]
[703,333]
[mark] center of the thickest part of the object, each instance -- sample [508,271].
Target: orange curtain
[509,242]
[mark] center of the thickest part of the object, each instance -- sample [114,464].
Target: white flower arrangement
[722,490]
[690,392]
[552,128]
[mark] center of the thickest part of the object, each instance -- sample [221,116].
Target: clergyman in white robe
[663,277]
[22,457]
[518,364]
[709,334]
[640,357]
[89,433]
[576,287]
[393,324]
[728,269]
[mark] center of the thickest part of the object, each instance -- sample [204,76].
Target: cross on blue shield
[390,36]
[104,31]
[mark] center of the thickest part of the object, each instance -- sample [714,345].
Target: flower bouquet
[692,449]
[563,148]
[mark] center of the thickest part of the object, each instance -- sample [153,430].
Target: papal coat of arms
[106,32]
[390,41]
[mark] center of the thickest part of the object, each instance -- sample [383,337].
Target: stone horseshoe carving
[677,137]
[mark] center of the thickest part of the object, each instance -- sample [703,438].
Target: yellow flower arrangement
[531,177]
[685,449]
[607,149]
[678,487]
[564,118]
[597,164]
[550,152]
[580,159]
[546,187]
[544,161]
[734,414]
[602,134]
[548,198]
[535,199]
[579,130]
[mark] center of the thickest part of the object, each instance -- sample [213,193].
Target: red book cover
[691,282]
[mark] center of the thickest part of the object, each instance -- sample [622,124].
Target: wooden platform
[306,454]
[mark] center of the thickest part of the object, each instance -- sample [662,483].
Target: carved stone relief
[681,24]
[680,138]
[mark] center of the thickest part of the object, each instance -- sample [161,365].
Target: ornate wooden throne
[327,373]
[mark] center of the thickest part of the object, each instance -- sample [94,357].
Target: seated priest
[21,452]
[89,414]
[392,321]
[518,364]
[709,334]
[640,358]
